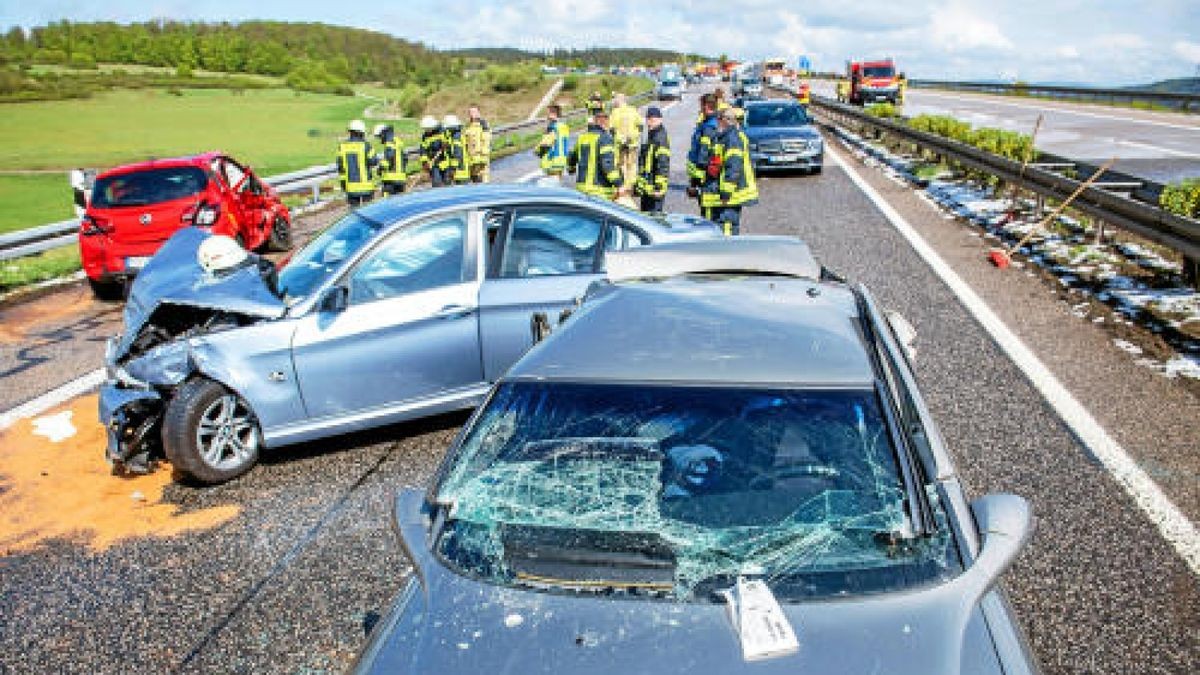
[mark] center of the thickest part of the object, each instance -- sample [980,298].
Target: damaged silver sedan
[719,463]
[408,307]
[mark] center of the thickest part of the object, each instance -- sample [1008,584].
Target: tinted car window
[416,258]
[551,243]
[316,261]
[880,71]
[148,187]
[798,486]
[776,116]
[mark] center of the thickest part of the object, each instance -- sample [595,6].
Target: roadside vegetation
[1182,198]
[34,269]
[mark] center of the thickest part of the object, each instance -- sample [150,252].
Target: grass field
[34,199]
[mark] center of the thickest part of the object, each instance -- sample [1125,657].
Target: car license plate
[784,159]
[137,262]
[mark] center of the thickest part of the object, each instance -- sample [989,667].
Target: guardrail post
[316,193]
[1191,272]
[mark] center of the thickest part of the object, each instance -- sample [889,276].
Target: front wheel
[108,291]
[280,238]
[210,435]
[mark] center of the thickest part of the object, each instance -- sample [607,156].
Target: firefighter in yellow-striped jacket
[654,164]
[731,184]
[593,160]
[355,162]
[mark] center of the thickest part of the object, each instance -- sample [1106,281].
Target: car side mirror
[905,334]
[335,300]
[1005,524]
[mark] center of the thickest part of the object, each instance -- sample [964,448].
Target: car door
[409,331]
[542,259]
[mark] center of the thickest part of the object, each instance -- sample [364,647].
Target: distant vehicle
[669,89]
[782,136]
[720,463]
[873,82]
[407,307]
[775,71]
[135,208]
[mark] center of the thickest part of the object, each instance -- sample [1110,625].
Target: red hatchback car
[136,207]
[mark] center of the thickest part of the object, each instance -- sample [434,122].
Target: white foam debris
[513,620]
[56,427]
[1129,347]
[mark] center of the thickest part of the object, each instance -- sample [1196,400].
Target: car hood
[174,277]
[452,624]
[776,133]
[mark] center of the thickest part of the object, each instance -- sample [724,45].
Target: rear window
[148,187]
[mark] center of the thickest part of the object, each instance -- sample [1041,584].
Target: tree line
[302,52]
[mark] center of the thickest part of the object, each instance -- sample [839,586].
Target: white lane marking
[530,177]
[1174,526]
[1158,148]
[52,398]
[1053,109]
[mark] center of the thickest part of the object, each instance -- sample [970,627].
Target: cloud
[957,27]
[1067,52]
[1188,51]
[1120,41]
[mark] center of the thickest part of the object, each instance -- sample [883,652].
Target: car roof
[201,160]
[721,329]
[774,102]
[401,207]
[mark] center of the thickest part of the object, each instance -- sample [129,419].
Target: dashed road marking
[52,398]
[1174,526]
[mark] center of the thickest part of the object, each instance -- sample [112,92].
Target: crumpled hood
[173,276]
[457,625]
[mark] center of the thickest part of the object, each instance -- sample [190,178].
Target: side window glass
[551,243]
[416,258]
[621,238]
[493,222]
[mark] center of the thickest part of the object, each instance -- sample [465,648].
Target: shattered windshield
[674,491]
[316,261]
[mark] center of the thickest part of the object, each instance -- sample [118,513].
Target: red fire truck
[873,82]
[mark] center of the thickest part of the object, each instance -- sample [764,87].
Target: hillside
[594,56]
[1178,85]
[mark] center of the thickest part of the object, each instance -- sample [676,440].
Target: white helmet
[357,125]
[219,253]
[451,121]
[429,122]
[379,129]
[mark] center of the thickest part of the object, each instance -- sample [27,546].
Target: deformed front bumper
[132,419]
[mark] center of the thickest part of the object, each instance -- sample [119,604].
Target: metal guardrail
[1180,101]
[1138,217]
[63,233]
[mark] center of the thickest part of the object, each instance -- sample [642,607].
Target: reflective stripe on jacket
[354,160]
[593,159]
[433,149]
[700,151]
[391,164]
[654,164]
[736,184]
[554,142]
[478,139]
[456,156]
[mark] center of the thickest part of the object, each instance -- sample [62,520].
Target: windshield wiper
[588,559]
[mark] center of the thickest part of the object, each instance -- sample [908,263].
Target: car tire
[816,170]
[108,291]
[210,435]
[280,238]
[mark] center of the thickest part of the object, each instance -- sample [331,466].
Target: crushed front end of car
[172,303]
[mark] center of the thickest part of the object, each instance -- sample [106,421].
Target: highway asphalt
[1161,146]
[284,569]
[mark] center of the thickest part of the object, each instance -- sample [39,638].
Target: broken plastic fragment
[761,626]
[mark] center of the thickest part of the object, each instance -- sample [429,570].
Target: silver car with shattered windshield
[719,463]
[408,307]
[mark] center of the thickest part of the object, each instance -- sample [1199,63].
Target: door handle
[454,312]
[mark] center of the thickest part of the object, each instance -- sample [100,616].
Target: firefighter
[477,137]
[355,160]
[457,172]
[843,90]
[901,88]
[654,164]
[433,150]
[595,104]
[552,147]
[700,153]
[627,133]
[391,161]
[731,173]
[593,160]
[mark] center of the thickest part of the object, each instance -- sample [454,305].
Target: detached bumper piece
[133,421]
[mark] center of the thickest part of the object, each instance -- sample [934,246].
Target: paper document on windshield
[759,621]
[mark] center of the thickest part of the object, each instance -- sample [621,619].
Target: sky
[1082,41]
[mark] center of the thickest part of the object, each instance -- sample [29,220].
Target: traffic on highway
[592,361]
